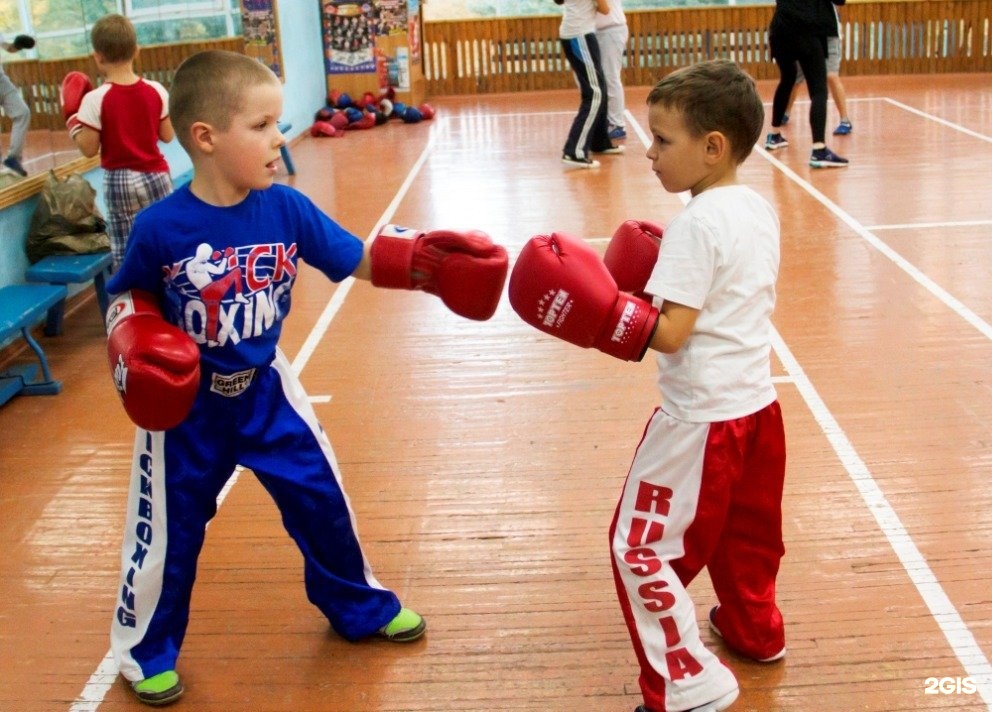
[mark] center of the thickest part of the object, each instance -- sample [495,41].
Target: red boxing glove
[155,365]
[560,286]
[631,255]
[74,87]
[323,128]
[467,270]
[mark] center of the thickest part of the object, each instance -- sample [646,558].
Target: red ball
[426,110]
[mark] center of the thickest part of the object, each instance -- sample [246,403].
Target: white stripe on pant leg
[142,552]
[597,98]
[658,504]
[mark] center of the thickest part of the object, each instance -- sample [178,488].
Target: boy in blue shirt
[203,290]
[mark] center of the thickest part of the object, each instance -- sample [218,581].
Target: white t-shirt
[720,255]
[613,18]
[578,19]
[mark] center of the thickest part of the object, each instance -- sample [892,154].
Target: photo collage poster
[350,30]
[261,32]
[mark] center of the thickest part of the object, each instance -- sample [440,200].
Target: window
[139,9]
[470,9]
[61,27]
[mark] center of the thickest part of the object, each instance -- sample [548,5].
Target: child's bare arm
[87,141]
[165,131]
[675,323]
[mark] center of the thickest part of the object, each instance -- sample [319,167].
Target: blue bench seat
[72,269]
[21,307]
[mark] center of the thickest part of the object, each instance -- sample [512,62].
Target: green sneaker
[161,689]
[404,628]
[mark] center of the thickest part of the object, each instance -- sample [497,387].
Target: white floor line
[955,630]
[945,615]
[106,672]
[905,265]
[930,225]
[937,119]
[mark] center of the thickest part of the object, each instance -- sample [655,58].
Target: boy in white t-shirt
[705,485]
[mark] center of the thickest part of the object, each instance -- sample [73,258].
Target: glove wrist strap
[391,262]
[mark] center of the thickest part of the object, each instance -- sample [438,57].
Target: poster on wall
[390,17]
[261,32]
[413,28]
[349,31]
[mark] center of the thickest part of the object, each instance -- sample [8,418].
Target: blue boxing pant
[263,421]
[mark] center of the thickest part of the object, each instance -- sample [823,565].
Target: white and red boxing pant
[700,494]
[262,420]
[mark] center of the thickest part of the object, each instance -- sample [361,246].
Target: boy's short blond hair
[210,87]
[113,36]
[715,95]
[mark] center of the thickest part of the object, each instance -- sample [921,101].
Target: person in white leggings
[612,34]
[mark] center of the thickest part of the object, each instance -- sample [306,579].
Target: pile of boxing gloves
[343,113]
[558,285]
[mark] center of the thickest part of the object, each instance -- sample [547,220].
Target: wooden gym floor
[484,459]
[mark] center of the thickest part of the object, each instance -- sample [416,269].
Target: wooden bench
[21,307]
[72,269]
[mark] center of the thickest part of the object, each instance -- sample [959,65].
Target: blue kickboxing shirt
[224,275]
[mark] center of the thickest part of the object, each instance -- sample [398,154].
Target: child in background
[590,131]
[123,120]
[14,108]
[612,34]
[834,84]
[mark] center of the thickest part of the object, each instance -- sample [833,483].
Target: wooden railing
[883,37]
[40,79]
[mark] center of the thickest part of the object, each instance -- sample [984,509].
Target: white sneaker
[716,631]
[612,151]
[721,703]
[579,162]
[717,705]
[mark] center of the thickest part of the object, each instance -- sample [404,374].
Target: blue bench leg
[47,386]
[53,322]
[102,300]
[287,160]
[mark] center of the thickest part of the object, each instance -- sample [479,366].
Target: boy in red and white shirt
[123,120]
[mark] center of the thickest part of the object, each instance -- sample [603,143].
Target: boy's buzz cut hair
[210,87]
[715,95]
[113,36]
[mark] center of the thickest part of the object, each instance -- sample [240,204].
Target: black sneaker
[825,158]
[775,141]
[579,162]
[15,166]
